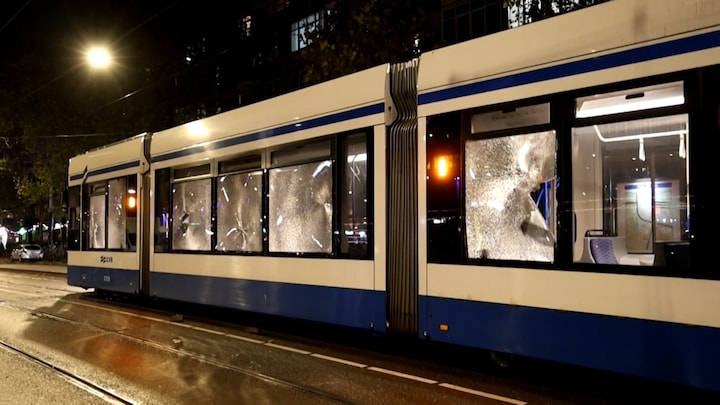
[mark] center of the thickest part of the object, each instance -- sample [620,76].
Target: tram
[536,192]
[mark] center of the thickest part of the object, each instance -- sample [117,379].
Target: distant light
[98,57]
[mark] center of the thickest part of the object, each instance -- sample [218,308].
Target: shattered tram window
[191,215]
[116,214]
[96,216]
[509,182]
[239,212]
[301,208]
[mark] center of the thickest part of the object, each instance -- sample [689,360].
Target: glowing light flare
[197,129]
[131,202]
[98,57]
[442,166]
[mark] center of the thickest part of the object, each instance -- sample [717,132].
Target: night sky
[58,28]
[44,42]
[59,31]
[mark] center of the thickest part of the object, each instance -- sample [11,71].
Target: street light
[95,57]
[98,57]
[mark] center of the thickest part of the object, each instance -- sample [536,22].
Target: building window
[300,29]
[245,26]
[463,20]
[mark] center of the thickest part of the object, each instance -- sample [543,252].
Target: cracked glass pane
[353,197]
[503,177]
[301,208]
[116,214]
[239,212]
[96,222]
[191,215]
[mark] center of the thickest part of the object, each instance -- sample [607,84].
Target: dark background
[177,61]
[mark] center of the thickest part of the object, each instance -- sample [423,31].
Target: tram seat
[603,249]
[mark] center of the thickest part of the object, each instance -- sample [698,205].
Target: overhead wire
[63,74]
[15,15]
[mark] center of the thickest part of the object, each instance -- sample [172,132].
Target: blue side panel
[688,355]
[352,308]
[118,280]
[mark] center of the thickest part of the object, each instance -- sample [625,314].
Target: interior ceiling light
[631,100]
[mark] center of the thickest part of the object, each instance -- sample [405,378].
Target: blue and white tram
[272,208]
[563,164]
[529,192]
[104,192]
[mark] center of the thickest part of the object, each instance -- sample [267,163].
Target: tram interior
[630,186]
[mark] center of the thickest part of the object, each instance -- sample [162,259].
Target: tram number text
[105,259]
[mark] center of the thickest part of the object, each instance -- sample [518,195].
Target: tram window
[518,117]
[191,215]
[131,206]
[244,163]
[301,153]
[444,188]
[301,208]
[187,172]
[73,218]
[239,211]
[502,175]
[630,190]
[162,210]
[97,216]
[355,219]
[116,215]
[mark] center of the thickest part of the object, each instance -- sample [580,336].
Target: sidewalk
[37,267]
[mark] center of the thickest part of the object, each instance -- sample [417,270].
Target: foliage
[39,110]
[536,10]
[358,35]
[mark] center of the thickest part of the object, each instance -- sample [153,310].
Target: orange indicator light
[442,166]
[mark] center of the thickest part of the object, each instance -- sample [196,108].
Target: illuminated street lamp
[98,57]
[95,57]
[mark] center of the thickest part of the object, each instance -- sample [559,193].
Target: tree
[358,35]
[38,110]
[527,11]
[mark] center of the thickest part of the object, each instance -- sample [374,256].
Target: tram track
[68,376]
[163,317]
[129,330]
[325,396]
